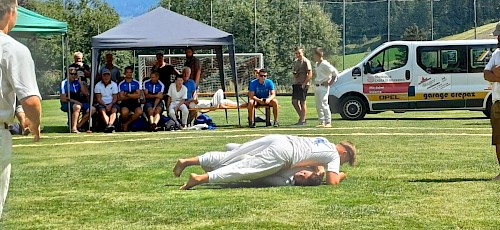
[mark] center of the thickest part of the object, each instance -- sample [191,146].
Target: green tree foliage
[277,28]
[414,33]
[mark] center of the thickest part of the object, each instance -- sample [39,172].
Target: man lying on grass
[272,155]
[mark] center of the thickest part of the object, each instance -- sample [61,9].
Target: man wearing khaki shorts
[17,78]
[492,74]
[302,74]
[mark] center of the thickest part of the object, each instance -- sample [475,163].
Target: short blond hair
[350,149]
[78,53]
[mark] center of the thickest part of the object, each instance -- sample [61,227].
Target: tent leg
[235,79]
[220,62]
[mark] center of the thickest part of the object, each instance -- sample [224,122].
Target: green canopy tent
[30,24]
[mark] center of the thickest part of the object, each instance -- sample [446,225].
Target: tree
[277,28]
[414,33]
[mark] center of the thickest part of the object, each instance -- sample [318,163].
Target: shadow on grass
[450,180]
[55,129]
[422,118]
[223,186]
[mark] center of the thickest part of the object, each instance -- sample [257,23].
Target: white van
[416,76]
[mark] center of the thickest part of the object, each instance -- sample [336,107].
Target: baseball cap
[106,71]
[496,32]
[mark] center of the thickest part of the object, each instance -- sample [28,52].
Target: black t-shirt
[83,68]
[165,73]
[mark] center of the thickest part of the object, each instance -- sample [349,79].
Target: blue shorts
[101,107]
[150,104]
[65,107]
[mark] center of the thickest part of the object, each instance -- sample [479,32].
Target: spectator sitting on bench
[153,92]
[130,92]
[177,95]
[75,99]
[217,102]
[106,93]
[261,91]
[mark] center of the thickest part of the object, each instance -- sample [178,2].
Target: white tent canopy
[165,29]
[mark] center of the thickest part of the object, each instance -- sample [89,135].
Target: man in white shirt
[267,156]
[17,78]
[177,93]
[492,74]
[106,92]
[326,75]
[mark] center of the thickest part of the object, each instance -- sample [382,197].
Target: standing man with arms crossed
[326,75]
[492,74]
[17,77]
[302,74]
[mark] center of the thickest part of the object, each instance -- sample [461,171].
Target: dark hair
[319,51]
[129,68]
[160,53]
[189,48]
[179,76]
[155,73]
[6,6]
[313,180]
[262,70]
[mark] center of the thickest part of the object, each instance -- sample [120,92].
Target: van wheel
[352,108]
[487,111]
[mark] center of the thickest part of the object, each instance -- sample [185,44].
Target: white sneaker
[329,125]
[321,125]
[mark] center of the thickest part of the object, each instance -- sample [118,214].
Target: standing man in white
[492,74]
[17,77]
[326,75]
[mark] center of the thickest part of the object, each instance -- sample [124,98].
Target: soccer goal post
[210,78]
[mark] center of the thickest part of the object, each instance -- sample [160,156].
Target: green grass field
[421,170]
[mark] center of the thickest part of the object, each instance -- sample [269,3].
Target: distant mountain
[132,8]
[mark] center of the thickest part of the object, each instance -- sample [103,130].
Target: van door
[387,77]
[440,77]
[479,55]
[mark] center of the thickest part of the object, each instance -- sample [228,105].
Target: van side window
[442,59]
[479,56]
[391,58]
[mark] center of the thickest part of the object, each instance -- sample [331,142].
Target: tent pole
[95,58]
[68,92]
[220,62]
[235,77]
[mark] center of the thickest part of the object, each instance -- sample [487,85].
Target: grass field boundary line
[70,135]
[256,135]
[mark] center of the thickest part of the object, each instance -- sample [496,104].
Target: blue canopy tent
[174,32]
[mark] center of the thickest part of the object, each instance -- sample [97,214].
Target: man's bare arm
[33,110]
[334,178]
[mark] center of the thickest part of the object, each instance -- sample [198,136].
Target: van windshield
[391,58]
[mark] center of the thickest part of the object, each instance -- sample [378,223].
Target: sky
[132,8]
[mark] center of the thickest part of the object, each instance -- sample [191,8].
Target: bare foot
[497,178]
[179,167]
[194,180]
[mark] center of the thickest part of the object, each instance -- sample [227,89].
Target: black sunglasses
[263,75]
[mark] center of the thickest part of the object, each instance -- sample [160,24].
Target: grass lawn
[421,170]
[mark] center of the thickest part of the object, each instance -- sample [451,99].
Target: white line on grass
[69,135]
[256,135]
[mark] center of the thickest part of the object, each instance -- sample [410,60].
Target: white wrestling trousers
[5,156]
[322,107]
[217,99]
[184,111]
[255,159]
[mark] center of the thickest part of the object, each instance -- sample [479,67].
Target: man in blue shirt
[129,94]
[192,97]
[153,92]
[74,101]
[261,91]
